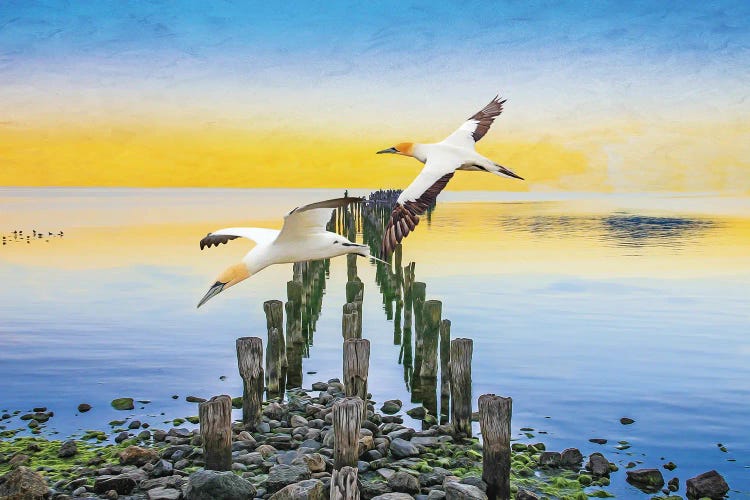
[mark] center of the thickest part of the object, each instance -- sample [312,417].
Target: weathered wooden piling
[274,369]
[274,310]
[344,484]
[294,314]
[347,420]
[350,321]
[355,291]
[460,368]
[431,313]
[445,371]
[216,430]
[419,291]
[494,421]
[250,363]
[356,368]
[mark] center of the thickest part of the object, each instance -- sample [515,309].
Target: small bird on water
[302,237]
[441,160]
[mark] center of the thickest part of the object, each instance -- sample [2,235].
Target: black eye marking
[335,242]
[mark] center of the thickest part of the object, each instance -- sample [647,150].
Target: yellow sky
[613,157]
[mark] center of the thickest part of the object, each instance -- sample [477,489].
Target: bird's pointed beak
[230,277]
[389,150]
[215,290]
[509,172]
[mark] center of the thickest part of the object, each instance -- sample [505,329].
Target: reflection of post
[460,367]
[344,484]
[216,430]
[445,371]
[419,290]
[347,419]
[494,422]
[399,301]
[250,363]
[356,367]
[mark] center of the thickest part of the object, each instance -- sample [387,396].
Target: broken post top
[274,310]
[432,311]
[250,356]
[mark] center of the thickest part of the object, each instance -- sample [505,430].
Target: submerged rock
[598,465]
[84,407]
[123,404]
[647,480]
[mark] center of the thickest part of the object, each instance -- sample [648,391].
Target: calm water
[583,308]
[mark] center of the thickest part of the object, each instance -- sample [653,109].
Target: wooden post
[216,430]
[356,367]
[274,310]
[494,421]
[349,321]
[344,484]
[273,363]
[431,322]
[250,363]
[294,323]
[460,367]
[355,291]
[445,370]
[347,420]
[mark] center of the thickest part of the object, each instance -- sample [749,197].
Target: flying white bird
[302,237]
[441,160]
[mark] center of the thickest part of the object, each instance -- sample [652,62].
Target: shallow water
[583,308]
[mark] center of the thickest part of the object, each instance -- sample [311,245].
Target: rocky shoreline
[289,455]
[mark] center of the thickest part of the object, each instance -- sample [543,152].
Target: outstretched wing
[257,234]
[475,127]
[413,202]
[312,218]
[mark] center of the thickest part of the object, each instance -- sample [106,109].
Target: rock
[68,449]
[418,413]
[84,407]
[23,483]
[210,485]
[135,424]
[598,465]
[122,404]
[403,482]
[159,435]
[385,473]
[162,468]
[400,448]
[626,421]
[274,411]
[404,433]
[391,406]
[709,484]
[436,495]
[123,436]
[526,495]
[112,495]
[393,496]
[458,491]
[195,399]
[179,432]
[550,459]
[122,484]
[474,481]
[319,386]
[163,494]
[571,457]
[135,455]
[673,484]
[646,480]
[315,462]
[162,482]
[297,421]
[283,475]
[309,489]
[434,477]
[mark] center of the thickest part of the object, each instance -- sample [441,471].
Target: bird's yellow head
[230,277]
[402,148]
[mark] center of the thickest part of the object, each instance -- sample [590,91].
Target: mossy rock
[122,404]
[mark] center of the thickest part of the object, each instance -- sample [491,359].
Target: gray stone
[709,484]
[274,411]
[393,496]
[427,441]
[474,481]
[23,483]
[403,482]
[526,495]
[162,482]
[319,386]
[571,457]
[434,477]
[458,491]
[598,465]
[162,468]
[122,484]
[386,473]
[163,494]
[283,475]
[68,449]
[315,462]
[309,489]
[401,448]
[214,485]
[436,495]
[404,433]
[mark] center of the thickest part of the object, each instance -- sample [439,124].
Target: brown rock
[23,483]
[135,455]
